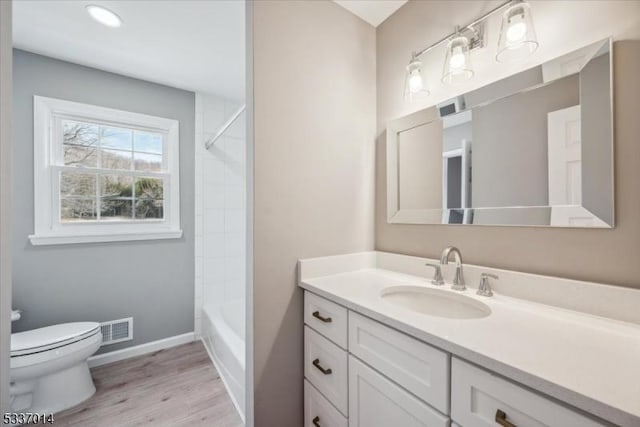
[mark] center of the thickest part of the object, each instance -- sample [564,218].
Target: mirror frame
[435,216]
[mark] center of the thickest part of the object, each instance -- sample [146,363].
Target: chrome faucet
[458,280]
[484,288]
[437,274]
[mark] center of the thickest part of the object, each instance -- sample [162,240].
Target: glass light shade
[517,35]
[457,63]
[415,81]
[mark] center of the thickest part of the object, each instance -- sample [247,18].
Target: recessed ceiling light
[104,16]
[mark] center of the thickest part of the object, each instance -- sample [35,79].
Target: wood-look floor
[174,387]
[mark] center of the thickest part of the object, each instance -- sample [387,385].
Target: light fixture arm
[468,26]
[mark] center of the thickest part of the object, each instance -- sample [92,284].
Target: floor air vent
[115,331]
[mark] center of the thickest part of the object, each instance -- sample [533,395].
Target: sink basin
[435,302]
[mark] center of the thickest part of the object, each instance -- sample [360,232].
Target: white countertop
[589,362]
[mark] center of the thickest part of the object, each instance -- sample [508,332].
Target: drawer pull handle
[317,315]
[501,418]
[316,421]
[327,371]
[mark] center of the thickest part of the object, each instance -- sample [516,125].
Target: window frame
[48,227]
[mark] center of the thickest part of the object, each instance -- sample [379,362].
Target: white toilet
[49,371]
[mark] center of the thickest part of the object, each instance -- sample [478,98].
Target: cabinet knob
[316,363]
[316,421]
[317,315]
[501,418]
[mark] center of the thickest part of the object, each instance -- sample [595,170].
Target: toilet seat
[50,337]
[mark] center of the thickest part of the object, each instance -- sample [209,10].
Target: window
[103,175]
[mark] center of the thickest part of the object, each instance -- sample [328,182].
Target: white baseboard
[139,350]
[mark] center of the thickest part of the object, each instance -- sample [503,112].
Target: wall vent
[115,331]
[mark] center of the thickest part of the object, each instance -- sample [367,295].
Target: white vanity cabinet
[362,373]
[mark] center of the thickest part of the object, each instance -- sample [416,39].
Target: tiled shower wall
[220,206]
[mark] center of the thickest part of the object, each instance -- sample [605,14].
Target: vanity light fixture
[104,16]
[517,40]
[415,80]
[457,62]
[517,35]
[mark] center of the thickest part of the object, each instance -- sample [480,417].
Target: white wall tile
[214,197]
[214,221]
[213,120]
[220,200]
[234,220]
[234,197]
[213,245]
[213,103]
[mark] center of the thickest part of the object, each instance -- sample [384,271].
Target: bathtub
[223,334]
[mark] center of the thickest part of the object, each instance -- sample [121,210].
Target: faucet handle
[437,274]
[485,287]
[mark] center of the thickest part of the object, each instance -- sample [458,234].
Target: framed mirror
[533,149]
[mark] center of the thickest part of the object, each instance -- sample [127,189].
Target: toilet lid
[42,339]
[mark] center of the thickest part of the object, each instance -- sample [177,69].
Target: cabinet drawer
[420,368]
[318,412]
[477,395]
[375,401]
[326,317]
[325,366]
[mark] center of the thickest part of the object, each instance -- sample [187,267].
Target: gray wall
[595,102]
[510,140]
[149,280]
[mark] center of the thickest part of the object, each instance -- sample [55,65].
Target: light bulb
[516,31]
[457,60]
[415,82]
[104,16]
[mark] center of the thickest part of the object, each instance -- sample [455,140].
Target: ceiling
[372,11]
[193,45]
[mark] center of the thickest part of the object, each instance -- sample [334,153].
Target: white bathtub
[223,333]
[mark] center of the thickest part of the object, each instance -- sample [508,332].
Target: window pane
[149,198]
[80,141]
[117,138]
[147,142]
[116,197]
[78,133]
[77,184]
[116,186]
[77,155]
[116,209]
[149,209]
[148,162]
[76,209]
[116,159]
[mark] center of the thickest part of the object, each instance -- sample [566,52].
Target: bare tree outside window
[117,196]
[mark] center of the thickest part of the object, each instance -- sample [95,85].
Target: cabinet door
[375,401]
[479,397]
[420,368]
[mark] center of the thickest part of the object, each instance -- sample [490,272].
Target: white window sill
[41,240]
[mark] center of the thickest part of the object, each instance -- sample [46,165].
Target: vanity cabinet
[361,373]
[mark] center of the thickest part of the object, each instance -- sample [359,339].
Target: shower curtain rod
[224,127]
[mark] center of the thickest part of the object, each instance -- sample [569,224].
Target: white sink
[435,302]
